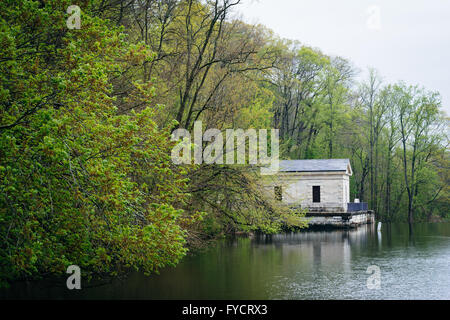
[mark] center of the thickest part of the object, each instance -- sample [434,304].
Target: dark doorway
[316,193]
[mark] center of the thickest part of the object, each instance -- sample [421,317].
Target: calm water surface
[304,265]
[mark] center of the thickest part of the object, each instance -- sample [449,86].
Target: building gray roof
[315,165]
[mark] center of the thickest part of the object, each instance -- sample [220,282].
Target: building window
[316,193]
[278,193]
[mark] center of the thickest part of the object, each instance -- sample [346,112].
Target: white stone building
[319,185]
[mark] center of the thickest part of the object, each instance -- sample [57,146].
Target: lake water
[303,265]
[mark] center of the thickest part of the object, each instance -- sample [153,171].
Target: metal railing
[357,206]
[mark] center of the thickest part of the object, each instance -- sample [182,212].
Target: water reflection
[414,264]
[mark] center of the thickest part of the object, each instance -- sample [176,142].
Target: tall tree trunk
[387,205]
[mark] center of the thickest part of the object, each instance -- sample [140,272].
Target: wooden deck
[340,219]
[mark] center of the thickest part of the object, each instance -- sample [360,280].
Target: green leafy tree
[81,183]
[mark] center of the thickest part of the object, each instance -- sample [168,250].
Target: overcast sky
[403,39]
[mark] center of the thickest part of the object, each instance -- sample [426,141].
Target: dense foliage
[80,183]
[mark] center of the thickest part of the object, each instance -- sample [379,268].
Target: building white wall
[297,189]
